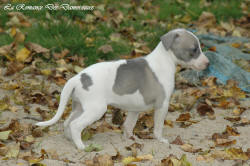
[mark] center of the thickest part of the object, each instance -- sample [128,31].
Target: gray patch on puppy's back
[137,75]
[86,81]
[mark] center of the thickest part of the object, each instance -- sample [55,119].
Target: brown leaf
[183,117]
[118,157]
[190,148]
[213,48]
[238,111]
[236,45]
[61,55]
[210,81]
[206,19]
[25,145]
[233,119]
[14,67]
[172,160]
[232,131]
[237,153]
[219,136]
[100,160]
[169,123]
[33,47]
[21,19]
[178,141]
[224,142]
[134,145]
[3,150]
[204,109]
[117,116]
[106,49]
[144,134]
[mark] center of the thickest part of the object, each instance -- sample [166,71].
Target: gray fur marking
[86,81]
[137,75]
[184,45]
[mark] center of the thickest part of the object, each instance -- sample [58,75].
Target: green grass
[62,32]
[223,10]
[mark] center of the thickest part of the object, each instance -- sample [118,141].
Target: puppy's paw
[80,147]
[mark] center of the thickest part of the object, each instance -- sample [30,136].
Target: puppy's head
[186,48]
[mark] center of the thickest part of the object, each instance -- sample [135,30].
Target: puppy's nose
[207,64]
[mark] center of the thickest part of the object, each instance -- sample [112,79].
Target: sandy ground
[198,134]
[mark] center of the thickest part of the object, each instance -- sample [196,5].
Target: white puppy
[134,85]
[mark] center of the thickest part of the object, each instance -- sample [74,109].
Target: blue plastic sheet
[221,61]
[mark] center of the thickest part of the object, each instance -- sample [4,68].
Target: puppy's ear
[168,39]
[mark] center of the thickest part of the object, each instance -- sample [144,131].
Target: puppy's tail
[65,95]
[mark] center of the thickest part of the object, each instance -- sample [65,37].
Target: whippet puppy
[135,85]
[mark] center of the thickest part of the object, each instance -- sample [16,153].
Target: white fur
[90,105]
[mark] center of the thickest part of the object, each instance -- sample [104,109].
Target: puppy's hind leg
[76,112]
[92,112]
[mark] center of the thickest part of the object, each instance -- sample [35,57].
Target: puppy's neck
[161,55]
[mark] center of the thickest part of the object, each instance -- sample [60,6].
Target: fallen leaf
[183,117]
[77,69]
[178,141]
[29,139]
[22,54]
[106,49]
[33,47]
[236,45]
[19,37]
[232,131]
[206,20]
[224,142]
[237,153]
[86,134]
[172,160]
[190,148]
[3,150]
[204,109]
[169,123]
[116,37]
[5,134]
[62,54]
[37,132]
[117,116]
[219,136]
[18,19]
[131,159]
[233,119]
[100,160]
[13,150]
[238,111]
[213,48]
[93,147]
[13,67]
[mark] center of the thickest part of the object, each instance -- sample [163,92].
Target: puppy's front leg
[129,124]
[159,117]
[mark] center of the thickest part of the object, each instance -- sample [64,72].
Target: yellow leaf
[46,72]
[145,157]
[29,138]
[13,32]
[78,69]
[22,54]
[128,160]
[4,135]
[13,150]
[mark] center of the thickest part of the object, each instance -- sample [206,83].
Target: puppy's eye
[195,49]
